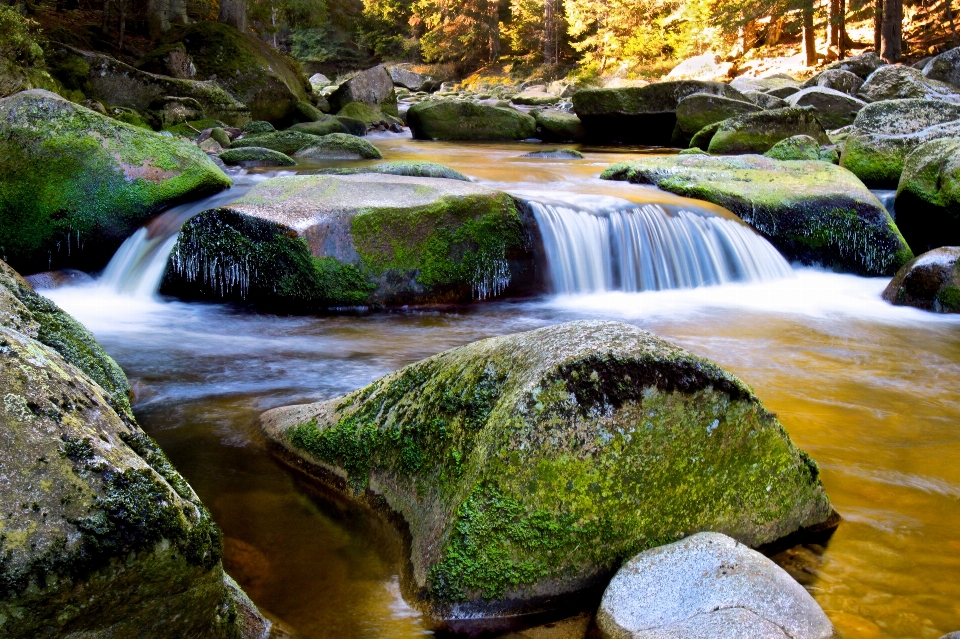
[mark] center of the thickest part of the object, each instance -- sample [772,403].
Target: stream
[868,389]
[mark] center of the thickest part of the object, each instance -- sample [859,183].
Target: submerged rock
[74,184]
[884,134]
[708,586]
[408,168]
[812,212]
[758,132]
[529,467]
[703,109]
[930,281]
[928,196]
[304,243]
[461,120]
[895,82]
[643,115]
[250,156]
[555,154]
[339,146]
[101,537]
[554,125]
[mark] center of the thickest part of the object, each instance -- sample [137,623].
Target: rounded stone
[339,146]
[250,156]
[930,281]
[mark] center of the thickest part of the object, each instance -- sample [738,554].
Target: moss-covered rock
[373,87]
[555,154]
[799,147]
[306,112]
[861,65]
[944,67]
[529,467]
[74,184]
[885,133]
[287,142]
[339,146]
[928,196]
[269,83]
[812,212]
[554,125]
[325,126]
[462,120]
[22,65]
[896,82]
[769,84]
[702,138]
[118,84]
[370,116]
[644,115]
[702,109]
[834,109]
[758,132]
[408,168]
[836,79]
[304,243]
[255,156]
[101,536]
[256,127]
[194,128]
[765,100]
[130,116]
[930,281]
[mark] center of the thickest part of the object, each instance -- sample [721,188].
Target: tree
[809,34]
[891,32]
[550,40]
[234,13]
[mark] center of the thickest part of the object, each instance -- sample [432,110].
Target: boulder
[371,118]
[554,125]
[861,65]
[318,82]
[409,80]
[758,132]
[769,85]
[74,184]
[119,84]
[408,168]
[127,116]
[884,133]
[102,537]
[701,109]
[643,115]
[269,83]
[928,196]
[172,60]
[836,79]
[528,467]
[172,110]
[708,586]
[530,97]
[798,147]
[812,212]
[325,126]
[287,142]
[555,154]
[256,127]
[310,242]
[339,146]
[834,109]
[930,281]
[461,120]
[306,112]
[765,100]
[703,137]
[372,87]
[708,66]
[251,156]
[944,67]
[896,82]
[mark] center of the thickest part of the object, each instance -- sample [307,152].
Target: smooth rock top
[862,65]
[944,67]
[930,281]
[658,97]
[894,82]
[708,586]
[836,79]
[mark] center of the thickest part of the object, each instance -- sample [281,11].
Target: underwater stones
[555,154]
[408,168]
[339,146]
[884,133]
[930,281]
[758,132]
[462,120]
[528,467]
[643,115]
[798,147]
[287,142]
[834,109]
[554,125]
[708,586]
[896,82]
[702,109]
[928,196]
[373,87]
[309,242]
[74,184]
[250,156]
[102,537]
[812,212]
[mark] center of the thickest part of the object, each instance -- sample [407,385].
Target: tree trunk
[749,35]
[809,36]
[842,29]
[549,32]
[891,31]
[493,17]
[949,16]
[234,13]
[833,28]
[774,32]
[877,24]
[158,18]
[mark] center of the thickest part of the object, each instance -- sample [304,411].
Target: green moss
[701,140]
[340,145]
[257,127]
[257,156]
[408,168]
[462,120]
[129,116]
[949,298]
[191,129]
[286,142]
[325,126]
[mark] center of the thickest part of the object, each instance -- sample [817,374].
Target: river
[869,390]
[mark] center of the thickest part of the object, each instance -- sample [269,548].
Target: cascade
[887,197]
[594,245]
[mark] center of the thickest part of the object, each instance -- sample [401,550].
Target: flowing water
[869,390]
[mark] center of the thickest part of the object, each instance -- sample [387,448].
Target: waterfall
[887,197]
[592,247]
[138,266]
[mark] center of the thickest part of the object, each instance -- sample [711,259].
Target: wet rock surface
[930,281]
[928,196]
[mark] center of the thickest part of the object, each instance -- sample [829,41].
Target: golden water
[870,391]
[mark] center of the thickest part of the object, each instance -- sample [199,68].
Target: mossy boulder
[462,120]
[370,116]
[643,115]
[339,146]
[799,147]
[758,132]
[930,281]
[529,467]
[306,112]
[834,109]
[256,127]
[861,65]
[779,82]
[287,142]
[373,87]
[896,82]
[554,125]
[325,126]
[702,138]
[22,65]
[408,168]
[194,128]
[765,100]
[885,133]
[313,242]
[269,83]
[250,156]
[702,109]
[836,79]
[74,184]
[119,84]
[928,196]
[812,212]
[101,536]
[944,67]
